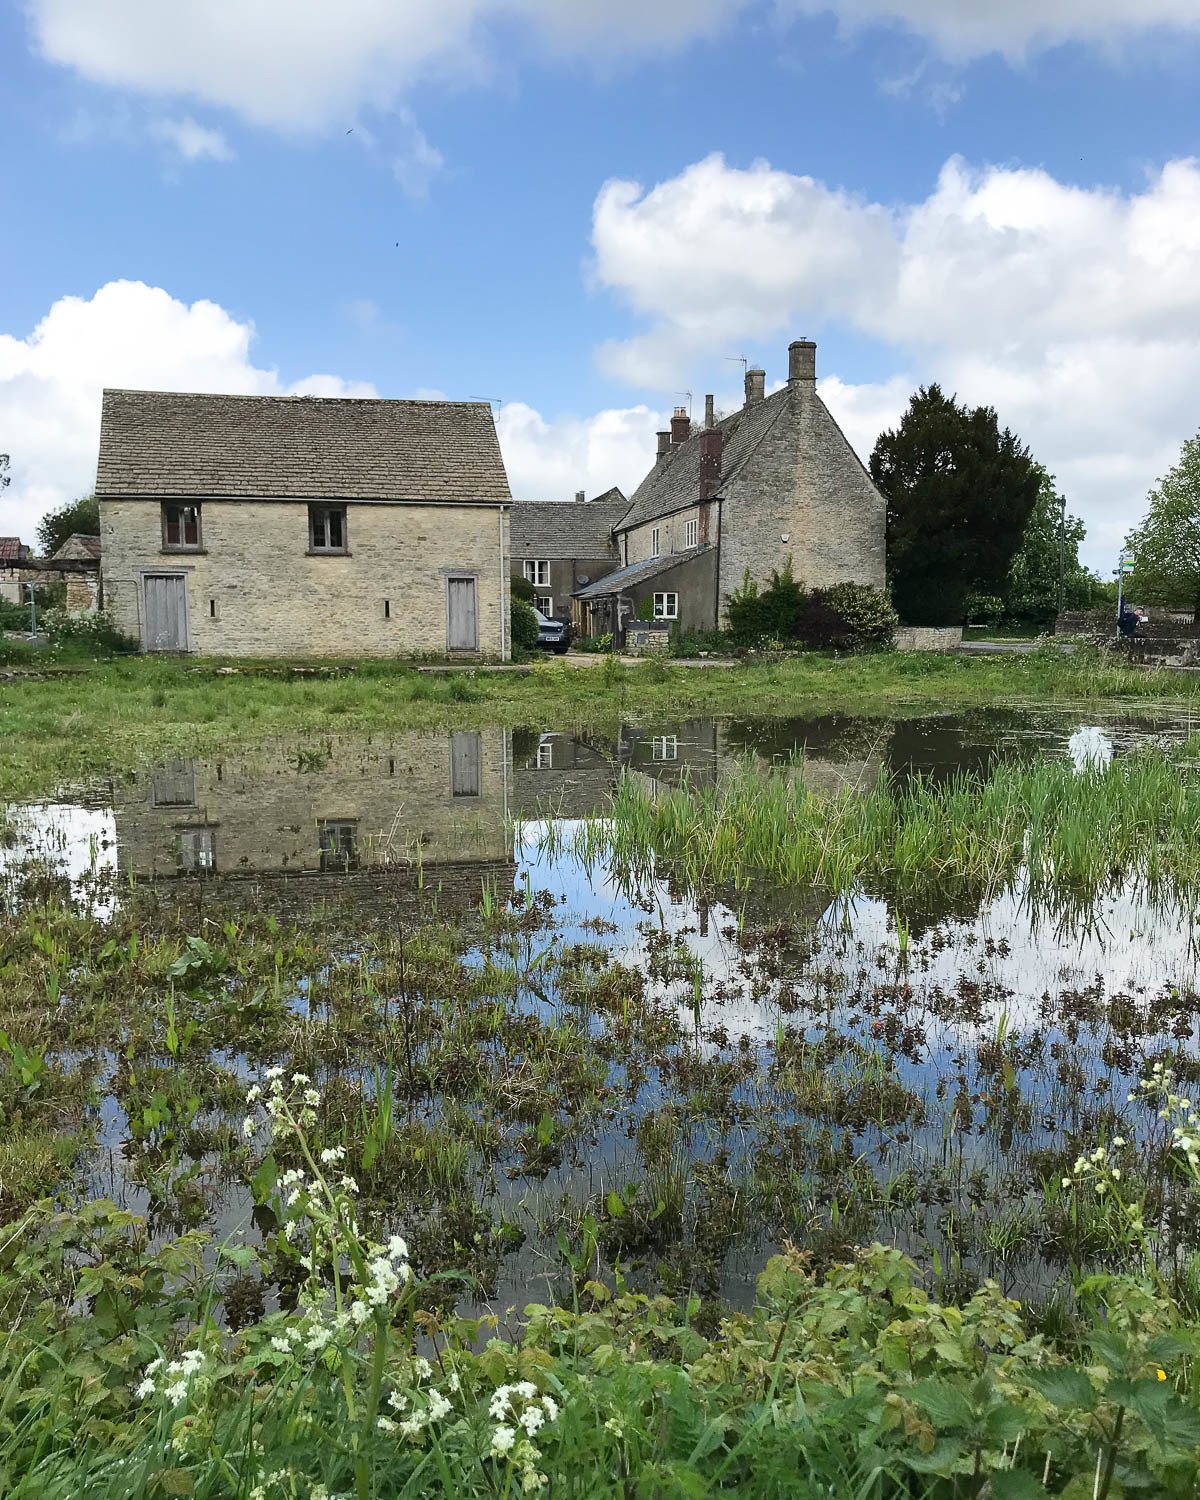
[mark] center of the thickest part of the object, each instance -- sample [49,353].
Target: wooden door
[165,614]
[462,618]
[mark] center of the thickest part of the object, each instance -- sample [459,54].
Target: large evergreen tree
[1166,546]
[82,516]
[959,493]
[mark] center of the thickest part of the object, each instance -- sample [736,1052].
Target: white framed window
[691,533]
[545,602]
[654,546]
[197,849]
[665,747]
[545,755]
[537,571]
[666,606]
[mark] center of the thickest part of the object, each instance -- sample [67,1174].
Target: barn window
[181,528]
[327,528]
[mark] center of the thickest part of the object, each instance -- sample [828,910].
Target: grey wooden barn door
[462,629]
[165,612]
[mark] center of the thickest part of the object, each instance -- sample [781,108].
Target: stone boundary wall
[928,637]
[646,638]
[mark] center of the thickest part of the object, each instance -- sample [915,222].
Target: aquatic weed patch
[1064,832]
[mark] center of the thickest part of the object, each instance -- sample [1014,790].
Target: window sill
[328,552]
[183,551]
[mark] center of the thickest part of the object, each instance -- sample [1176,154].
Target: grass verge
[104,716]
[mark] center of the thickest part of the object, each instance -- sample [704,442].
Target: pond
[577,1058]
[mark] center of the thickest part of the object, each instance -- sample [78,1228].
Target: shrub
[523,589]
[524,626]
[769,615]
[847,617]
[93,633]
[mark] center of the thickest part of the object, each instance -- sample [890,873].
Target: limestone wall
[928,637]
[254,589]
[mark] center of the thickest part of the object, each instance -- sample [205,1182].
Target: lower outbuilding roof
[639,572]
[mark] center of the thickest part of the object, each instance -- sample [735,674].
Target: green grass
[1072,834]
[104,716]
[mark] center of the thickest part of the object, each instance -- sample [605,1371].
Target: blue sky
[580,209]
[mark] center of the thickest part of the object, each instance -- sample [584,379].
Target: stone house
[13,553]
[303,526]
[775,480]
[80,555]
[559,548]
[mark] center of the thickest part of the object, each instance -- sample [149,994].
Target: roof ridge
[290,397]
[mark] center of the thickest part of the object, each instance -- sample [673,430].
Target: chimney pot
[664,445]
[579,497]
[681,426]
[756,386]
[709,415]
[802,361]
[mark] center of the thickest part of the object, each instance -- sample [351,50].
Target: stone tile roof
[639,572]
[79,546]
[674,481]
[564,530]
[166,443]
[12,549]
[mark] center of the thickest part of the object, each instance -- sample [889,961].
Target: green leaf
[1005,1422]
[615,1207]
[1065,1388]
[262,1183]
[944,1405]
[1015,1484]
[174,1481]
[943,1458]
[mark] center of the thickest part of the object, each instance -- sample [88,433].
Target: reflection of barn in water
[373,826]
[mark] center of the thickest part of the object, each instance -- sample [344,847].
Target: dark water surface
[966,1048]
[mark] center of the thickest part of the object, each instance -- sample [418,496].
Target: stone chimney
[664,446]
[802,361]
[712,441]
[756,386]
[681,426]
[580,496]
[709,415]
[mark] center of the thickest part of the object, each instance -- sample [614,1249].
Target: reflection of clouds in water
[74,841]
[1090,748]
[1125,941]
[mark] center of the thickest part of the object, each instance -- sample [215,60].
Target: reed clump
[1062,830]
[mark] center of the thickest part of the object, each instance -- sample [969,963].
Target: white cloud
[127,334]
[306,65]
[1074,311]
[191,141]
[550,460]
[416,162]
[964,29]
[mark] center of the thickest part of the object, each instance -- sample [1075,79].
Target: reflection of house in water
[343,822]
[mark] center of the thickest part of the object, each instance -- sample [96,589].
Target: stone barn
[268,526]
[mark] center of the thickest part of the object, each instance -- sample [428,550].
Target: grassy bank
[103,716]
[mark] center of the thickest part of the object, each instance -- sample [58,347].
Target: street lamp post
[1062,546]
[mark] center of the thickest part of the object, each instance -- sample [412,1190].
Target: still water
[924,1134]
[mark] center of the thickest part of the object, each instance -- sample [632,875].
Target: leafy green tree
[1166,546]
[1030,593]
[82,516]
[959,492]
[4,474]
